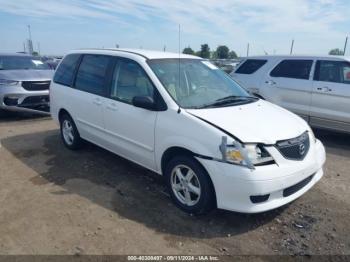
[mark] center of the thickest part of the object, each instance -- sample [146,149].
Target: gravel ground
[54,201]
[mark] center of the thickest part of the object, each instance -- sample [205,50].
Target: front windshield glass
[195,83]
[21,62]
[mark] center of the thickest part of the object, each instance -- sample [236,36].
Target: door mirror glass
[145,102]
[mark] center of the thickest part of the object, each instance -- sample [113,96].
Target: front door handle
[324,89]
[270,82]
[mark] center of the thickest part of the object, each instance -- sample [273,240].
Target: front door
[130,129]
[290,86]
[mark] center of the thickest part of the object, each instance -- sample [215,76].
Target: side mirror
[145,102]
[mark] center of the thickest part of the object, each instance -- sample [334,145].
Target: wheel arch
[62,112]
[178,151]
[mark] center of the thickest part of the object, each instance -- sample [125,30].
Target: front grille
[293,189]
[36,85]
[295,148]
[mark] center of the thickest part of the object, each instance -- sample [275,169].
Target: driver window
[130,80]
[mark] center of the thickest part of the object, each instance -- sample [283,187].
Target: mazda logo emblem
[302,149]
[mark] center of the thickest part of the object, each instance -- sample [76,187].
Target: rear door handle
[112,107]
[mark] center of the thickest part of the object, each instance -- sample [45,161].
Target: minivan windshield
[21,62]
[196,83]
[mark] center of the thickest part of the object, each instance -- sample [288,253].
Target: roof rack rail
[115,49]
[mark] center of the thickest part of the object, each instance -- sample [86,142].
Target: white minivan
[183,118]
[315,87]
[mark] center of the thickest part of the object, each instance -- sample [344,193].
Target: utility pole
[291,48]
[29,42]
[30,33]
[346,43]
[39,48]
[164,48]
[24,47]
[248,50]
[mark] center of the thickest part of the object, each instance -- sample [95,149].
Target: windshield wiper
[232,97]
[227,101]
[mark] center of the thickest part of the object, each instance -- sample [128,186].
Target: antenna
[291,48]
[179,110]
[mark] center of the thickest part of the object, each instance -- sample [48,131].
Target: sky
[269,26]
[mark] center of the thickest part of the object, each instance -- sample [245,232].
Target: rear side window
[250,66]
[298,69]
[91,75]
[65,72]
[333,71]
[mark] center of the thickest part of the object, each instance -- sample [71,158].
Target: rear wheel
[189,185]
[69,133]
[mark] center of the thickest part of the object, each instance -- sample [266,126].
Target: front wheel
[3,113]
[189,185]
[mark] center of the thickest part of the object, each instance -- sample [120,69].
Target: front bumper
[283,183]
[16,98]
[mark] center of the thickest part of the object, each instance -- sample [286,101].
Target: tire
[69,133]
[197,205]
[3,113]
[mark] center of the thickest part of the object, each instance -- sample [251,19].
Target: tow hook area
[31,104]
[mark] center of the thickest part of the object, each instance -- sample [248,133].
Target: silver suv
[24,83]
[315,87]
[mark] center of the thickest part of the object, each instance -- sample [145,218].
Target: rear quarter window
[250,66]
[65,72]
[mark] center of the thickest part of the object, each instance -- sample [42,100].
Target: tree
[232,55]
[188,51]
[35,53]
[213,55]
[336,51]
[205,51]
[222,52]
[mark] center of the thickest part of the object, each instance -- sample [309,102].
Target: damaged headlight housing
[248,155]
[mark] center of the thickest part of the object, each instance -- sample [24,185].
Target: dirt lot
[54,201]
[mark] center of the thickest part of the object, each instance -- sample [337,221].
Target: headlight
[8,82]
[312,135]
[257,154]
[246,155]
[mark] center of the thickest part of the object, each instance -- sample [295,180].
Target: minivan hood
[257,122]
[26,75]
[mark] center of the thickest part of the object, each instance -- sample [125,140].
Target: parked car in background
[315,87]
[51,61]
[183,118]
[227,65]
[24,83]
